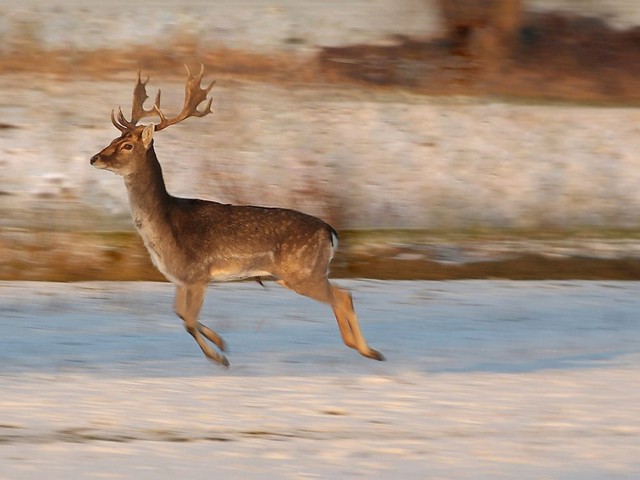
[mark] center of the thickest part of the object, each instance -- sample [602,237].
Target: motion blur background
[445,139]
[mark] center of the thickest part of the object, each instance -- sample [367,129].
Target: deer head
[127,153]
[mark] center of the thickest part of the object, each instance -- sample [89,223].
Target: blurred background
[443,138]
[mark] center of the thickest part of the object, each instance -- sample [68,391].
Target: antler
[137,109]
[194,96]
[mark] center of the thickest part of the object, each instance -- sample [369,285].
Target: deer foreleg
[187,306]
[212,336]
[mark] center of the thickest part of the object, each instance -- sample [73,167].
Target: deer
[194,242]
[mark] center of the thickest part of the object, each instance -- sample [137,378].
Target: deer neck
[150,203]
[148,196]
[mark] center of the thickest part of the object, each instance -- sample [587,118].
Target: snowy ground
[483,380]
[358,159]
[249,24]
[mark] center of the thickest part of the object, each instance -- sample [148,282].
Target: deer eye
[127,146]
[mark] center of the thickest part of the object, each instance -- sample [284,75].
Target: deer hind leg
[342,304]
[187,306]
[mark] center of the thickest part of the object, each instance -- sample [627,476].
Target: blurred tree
[484,30]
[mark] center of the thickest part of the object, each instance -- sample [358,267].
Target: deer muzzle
[96,161]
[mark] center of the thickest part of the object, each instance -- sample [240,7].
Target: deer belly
[218,275]
[241,267]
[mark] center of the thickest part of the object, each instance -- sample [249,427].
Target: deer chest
[158,251]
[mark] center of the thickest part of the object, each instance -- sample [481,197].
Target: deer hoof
[223,361]
[374,354]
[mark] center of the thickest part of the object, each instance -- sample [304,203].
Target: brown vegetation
[484,29]
[545,55]
[107,63]
[45,256]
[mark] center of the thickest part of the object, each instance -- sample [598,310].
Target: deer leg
[187,306]
[340,301]
[180,307]
[212,336]
[342,305]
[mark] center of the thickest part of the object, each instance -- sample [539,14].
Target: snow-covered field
[249,24]
[362,159]
[484,379]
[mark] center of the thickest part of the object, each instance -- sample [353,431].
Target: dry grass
[108,63]
[46,256]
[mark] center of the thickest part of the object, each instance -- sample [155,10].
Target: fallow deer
[194,242]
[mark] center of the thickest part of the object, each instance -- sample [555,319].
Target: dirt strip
[121,256]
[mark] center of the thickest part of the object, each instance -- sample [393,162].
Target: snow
[358,159]
[298,25]
[484,379]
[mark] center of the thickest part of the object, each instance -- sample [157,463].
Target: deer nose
[94,159]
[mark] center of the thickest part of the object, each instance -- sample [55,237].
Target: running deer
[194,242]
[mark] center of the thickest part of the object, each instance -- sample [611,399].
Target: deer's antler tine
[158,112]
[121,119]
[139,97]
[140,90]
[208,89]
[192,76]
[189,75]
[116,124]
[206,111]
[140,77]
[156,103]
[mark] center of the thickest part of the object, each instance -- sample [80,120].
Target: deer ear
[147,135]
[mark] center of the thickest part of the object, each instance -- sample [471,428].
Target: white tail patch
[334,244]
